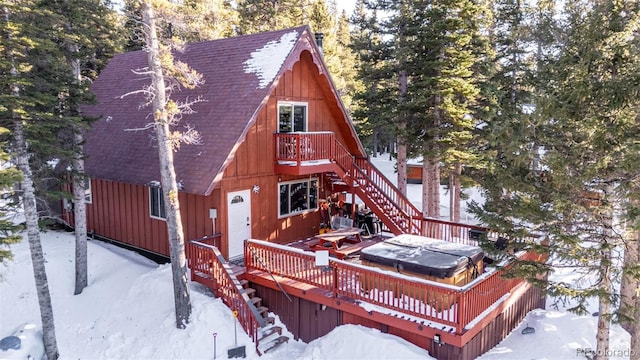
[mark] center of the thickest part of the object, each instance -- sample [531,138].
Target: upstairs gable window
[292,117]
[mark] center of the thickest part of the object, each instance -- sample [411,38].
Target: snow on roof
[266,61]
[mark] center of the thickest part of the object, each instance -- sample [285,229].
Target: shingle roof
[234,90]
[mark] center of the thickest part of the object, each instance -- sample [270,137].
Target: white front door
[239,221]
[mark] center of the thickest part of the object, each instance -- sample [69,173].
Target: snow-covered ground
[126,312]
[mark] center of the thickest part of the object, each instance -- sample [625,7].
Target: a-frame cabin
[276,142]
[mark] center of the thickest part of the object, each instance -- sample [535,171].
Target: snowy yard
[127,312]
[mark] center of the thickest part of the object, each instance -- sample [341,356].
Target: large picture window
[156,202]
[298,196]
[292,117]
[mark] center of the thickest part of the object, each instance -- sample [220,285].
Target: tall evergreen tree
[87,42]
[267,15]
[577,163]
[33,79]
[192,21]
[9,176]
[374,98]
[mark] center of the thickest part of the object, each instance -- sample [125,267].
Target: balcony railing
[448,305]
[299,147]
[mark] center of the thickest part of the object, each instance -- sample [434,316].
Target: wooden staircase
[270,335]
[211,269]
[397,213]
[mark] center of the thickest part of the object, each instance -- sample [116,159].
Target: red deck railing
[209,268]
[444,304]
[307,146]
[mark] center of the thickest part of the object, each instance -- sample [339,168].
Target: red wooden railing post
[462,310]
[335,280]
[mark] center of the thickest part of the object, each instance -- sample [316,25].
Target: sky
[127,312]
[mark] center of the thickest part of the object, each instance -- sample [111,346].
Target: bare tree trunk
[431,169]
[31,217]
[605,287]
[402,125]
[77,163]
[374,142]
[402,166]
[431,188]
[455,187]
[629,287]
[635,336]
[630,294]
[80,218]
[33,234]
[181,294]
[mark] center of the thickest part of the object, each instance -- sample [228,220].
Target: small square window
[292,117]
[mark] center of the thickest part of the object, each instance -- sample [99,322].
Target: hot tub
[426,258]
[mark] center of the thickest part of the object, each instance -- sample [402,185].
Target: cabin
[280,163]
[261,94]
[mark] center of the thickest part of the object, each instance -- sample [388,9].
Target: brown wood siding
[494,332]
[253,161]
[306,320]
[120,212]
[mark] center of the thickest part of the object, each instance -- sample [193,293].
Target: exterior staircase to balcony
[320,152]
[393,208]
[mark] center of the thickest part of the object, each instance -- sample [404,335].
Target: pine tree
[9,176]
[575,167]
[31,63]
[267,15]
[375,96]
[507,108]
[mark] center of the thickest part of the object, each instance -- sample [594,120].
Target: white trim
[292,104]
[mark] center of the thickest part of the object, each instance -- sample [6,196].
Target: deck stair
[227,282]
[270,335]
[397,213]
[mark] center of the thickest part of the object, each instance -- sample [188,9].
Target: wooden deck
[416,309]
[447,305]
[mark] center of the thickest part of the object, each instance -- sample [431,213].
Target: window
[87,190]
[298,196]
[156,202]
[292,117]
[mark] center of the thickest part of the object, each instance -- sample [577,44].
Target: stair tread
[275,343]
[263,309]
[270,331]
[249,291]
[256,300]
[244,282]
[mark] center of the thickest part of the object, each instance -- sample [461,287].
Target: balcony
[304,153]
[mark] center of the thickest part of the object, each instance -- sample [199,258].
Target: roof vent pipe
[319,37]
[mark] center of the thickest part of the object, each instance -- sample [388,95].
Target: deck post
[462,305]
[335,280]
